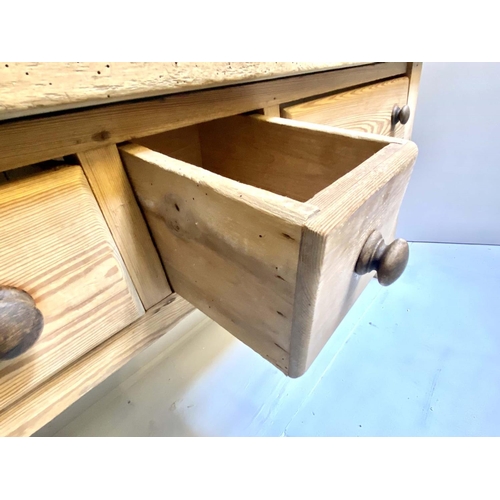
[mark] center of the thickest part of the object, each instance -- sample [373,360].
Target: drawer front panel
[367,199]
[57,247]
[367,109]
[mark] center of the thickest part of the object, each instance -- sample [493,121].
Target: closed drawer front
[264,231]
[57,248]
[367,109]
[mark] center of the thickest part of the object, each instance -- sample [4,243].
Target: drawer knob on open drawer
[388,260]
[21,323]
[400,115]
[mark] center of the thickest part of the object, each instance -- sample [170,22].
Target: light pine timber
[244,255]
[37,139]
[109,182]
[28,88]
[367,198]
[182,144]
[57,247]
[291,161]
[367,108]
[229,248]
[414,73]
[36,409]
[272,111]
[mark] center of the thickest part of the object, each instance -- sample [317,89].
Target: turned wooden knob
[400,115]
[388,260]
[21,323]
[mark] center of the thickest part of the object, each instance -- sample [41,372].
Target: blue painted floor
[418,358]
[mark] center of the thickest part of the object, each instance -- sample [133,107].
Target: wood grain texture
[108,180]
[29,88]
[272,111]
[57,247]
[229,248]
[36,409]
[414,73]
[182,144]
[33,140]
[367,198]
[367,108]
[296,162]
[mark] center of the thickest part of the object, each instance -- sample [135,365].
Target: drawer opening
[295,162]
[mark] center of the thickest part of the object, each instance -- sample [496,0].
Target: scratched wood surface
[28,88]
[23,142]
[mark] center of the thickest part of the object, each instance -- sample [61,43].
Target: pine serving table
[264,194]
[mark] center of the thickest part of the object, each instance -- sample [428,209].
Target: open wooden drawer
[264,227]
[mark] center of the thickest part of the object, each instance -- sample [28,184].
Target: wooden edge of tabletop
[33,88]
[37,408]
[27,141]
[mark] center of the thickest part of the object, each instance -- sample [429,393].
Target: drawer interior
[293,162]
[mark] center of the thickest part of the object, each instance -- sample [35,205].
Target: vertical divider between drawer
[110,185]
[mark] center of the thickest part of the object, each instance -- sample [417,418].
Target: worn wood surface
[30,88]
[33,411]
[271,154]
[367,108]
[33,140]
[229,248]
[108,180]
[367,198]
[414,72]
[57,247]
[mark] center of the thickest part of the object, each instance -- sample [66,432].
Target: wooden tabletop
[35,88]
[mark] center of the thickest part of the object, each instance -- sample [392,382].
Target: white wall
[454,193]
